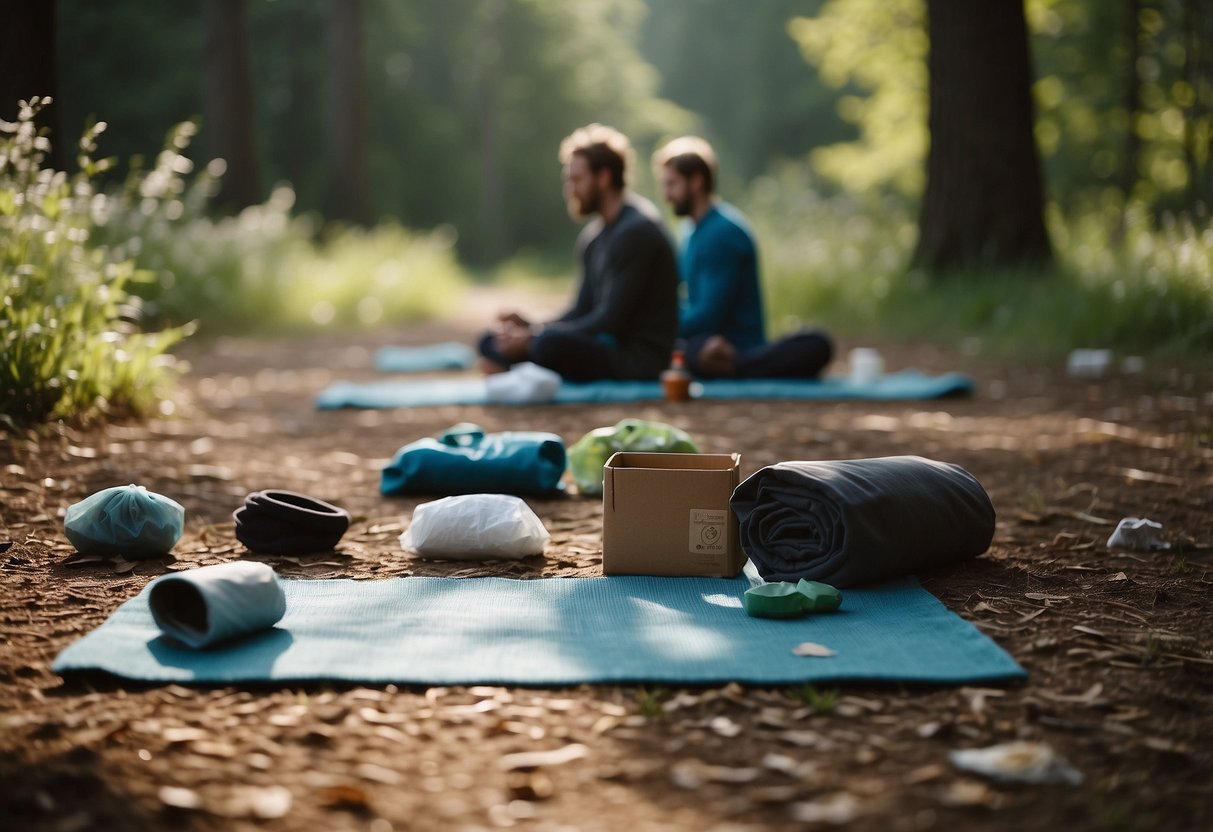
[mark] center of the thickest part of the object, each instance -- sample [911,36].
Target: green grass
[821,701]
[70,345]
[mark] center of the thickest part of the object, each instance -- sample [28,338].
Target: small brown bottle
[676,381]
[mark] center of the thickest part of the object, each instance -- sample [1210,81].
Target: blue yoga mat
[448,355]
[557,631]
[903,386]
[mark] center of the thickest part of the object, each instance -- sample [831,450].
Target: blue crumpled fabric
[466,460]
[213,604]
[125,520]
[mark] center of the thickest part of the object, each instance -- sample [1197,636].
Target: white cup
[867,366]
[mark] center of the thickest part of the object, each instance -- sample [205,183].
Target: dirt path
[1117,645]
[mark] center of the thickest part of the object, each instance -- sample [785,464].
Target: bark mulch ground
[1118,645]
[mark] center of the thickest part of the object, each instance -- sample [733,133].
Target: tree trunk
[27,69]
[489,48]
[345,115]
[1132,92]
[984,202]
[228,102]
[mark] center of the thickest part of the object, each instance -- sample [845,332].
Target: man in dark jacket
[625,317]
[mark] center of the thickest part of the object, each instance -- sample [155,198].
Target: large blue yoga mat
[448,355]
[557,631]
[903,386]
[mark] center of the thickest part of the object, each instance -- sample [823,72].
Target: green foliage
[736,68]
[821,701]
[880,47]
[841,262]
[263,269]
[649,702]
[69,345]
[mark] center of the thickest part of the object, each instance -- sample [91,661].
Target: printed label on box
[708,531]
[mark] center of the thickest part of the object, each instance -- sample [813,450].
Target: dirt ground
[1118,645]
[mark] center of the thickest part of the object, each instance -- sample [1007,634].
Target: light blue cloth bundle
[125,520]
[448,355]
[212,604]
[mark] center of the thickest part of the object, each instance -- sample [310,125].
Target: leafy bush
[69,344]
[264,269]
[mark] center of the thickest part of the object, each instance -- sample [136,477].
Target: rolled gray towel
[204,606]
[853,522]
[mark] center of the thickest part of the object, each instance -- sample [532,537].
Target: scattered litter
[179,798]
[1137,534]
[525,383]
[1088,363]
[1021,762]
[866,365]
[809,648]
[475,527]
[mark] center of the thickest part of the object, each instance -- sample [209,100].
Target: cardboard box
[668,514]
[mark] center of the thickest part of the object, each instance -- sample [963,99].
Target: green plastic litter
[821,597]
[588,455]
[784,599]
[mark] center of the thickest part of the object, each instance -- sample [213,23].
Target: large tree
[345,115]
[984,198]
[228,101]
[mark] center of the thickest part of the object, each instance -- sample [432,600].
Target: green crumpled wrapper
[589,454]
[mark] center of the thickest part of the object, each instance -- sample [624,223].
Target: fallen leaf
[724,726]
[809,648]
[344,797]
[178,798]
[838,809]
[535,759]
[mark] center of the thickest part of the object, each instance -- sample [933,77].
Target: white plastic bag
[475,527]
[524,383]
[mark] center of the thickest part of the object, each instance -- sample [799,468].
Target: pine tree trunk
[984,200]
[345,115]
[228,102]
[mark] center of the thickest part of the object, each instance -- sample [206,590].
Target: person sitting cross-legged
[624,320]
[721,319]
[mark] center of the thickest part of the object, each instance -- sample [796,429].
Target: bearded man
[721,320]
[624,319]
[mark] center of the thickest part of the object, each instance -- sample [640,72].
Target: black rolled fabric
[277,522]
[853,522]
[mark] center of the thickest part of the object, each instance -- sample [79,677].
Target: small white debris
[1020,761]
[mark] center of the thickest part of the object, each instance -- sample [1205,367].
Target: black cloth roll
[853,522]
[279,522]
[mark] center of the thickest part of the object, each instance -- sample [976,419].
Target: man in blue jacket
[624,320]
[721,319]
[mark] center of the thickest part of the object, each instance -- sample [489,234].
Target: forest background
[380,157]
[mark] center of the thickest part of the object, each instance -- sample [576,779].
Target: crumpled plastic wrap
[126,520]
[589,454]
[475,527]
[524,383]
[1137,534]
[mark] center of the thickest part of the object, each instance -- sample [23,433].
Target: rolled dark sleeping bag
[853,522]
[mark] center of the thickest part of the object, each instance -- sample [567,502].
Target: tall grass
[267,270]
[841,262]
[70,345]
